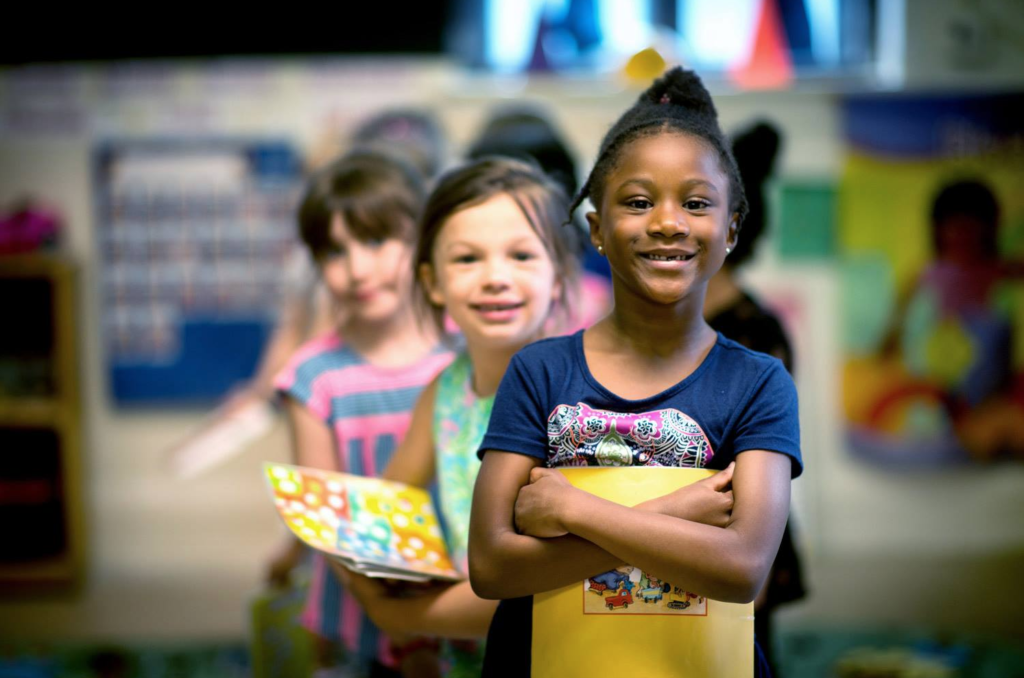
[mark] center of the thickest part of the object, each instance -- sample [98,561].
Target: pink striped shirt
[368,409]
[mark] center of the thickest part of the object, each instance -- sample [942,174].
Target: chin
[380,313]
[497,336]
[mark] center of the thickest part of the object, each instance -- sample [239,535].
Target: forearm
[511,565]
[454,612]
[545,564]
[722,563]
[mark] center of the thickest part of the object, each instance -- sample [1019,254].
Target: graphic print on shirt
[579,435]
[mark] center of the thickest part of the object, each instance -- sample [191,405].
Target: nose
[360,261]
[496,273]
[669,222]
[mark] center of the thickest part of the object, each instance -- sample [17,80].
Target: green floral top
[460,421]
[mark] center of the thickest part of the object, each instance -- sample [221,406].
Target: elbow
[484,579]
[743,581]
[485,576]
[737,579]
[738,592]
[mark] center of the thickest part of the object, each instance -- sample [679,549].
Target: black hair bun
[680,87]
[755,150]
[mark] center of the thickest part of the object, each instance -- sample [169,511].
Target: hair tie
[665,99]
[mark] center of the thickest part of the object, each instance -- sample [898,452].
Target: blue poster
[193,238]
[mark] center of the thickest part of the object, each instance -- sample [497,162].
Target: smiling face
[664,221]
[369,278]
[493,275]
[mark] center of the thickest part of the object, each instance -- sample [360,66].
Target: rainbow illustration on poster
[375,527]
[930,222]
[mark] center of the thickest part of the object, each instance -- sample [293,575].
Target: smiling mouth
[676,257]
[489,308]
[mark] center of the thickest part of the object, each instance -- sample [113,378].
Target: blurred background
[149,168]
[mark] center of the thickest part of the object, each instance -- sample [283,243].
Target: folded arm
[497,549]
[727,564]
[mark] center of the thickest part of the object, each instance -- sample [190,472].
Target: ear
[556,290]
[734,231]
[429,281]
[594,221]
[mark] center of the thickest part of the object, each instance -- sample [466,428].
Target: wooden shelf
[46,412]
[57,569]
[46,426]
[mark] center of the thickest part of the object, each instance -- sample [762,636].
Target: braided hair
[675,102]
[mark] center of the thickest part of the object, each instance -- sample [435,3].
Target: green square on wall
[805,223]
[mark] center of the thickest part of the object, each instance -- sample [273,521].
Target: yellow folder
[629,623]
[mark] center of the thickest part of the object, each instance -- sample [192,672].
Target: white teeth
[655,257]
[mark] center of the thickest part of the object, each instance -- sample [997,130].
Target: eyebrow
[648,184]
[464,243]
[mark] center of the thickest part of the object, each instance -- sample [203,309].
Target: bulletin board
[193,236]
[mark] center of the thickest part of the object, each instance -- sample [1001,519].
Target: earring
[600,250]
[728,250]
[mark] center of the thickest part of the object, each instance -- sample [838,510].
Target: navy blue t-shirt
[549,406]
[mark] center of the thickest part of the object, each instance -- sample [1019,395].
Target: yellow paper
[638,629]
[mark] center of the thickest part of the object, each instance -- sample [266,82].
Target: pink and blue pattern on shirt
[579,435]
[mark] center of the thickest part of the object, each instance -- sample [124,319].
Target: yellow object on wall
[629,623]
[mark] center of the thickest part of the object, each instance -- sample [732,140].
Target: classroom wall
[169,559]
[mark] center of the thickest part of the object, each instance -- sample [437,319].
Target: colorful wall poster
[627,622]
[931,233]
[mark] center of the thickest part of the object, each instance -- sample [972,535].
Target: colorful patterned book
[374,527]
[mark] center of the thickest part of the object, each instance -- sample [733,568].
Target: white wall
[936,549]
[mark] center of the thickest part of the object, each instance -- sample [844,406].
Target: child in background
[668,205]
[306,310]
[527,133]
[491,257]
[349,402]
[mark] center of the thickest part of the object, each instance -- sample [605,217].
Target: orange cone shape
[769,65]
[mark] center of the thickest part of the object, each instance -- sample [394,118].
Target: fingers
[341,572]
[538,472]
[721,480]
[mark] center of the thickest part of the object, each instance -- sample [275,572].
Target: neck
[398,340]
[657,329]
[489,366]
[723,292]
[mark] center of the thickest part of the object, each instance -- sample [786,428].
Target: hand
[708,501]
[540,504]
[370,589]
[365,589]
[240,399]
[283,561]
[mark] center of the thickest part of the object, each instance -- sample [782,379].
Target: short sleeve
[771,418]
[519,419]
[299,380]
